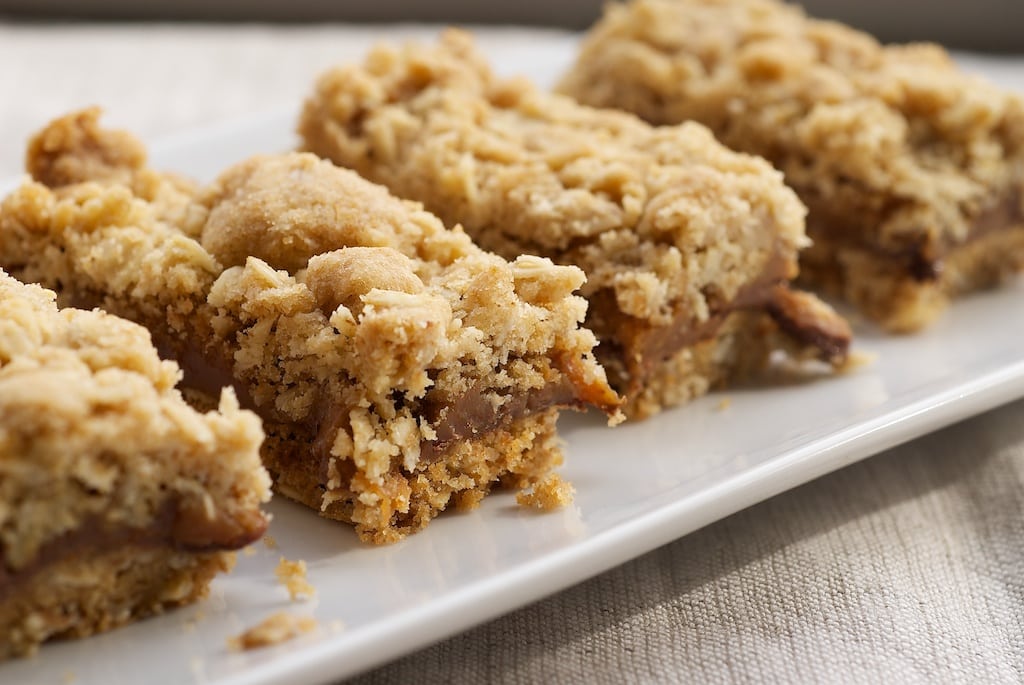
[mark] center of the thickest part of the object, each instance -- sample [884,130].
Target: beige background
[975,24]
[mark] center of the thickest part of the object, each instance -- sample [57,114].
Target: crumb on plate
[273,630]
[551,493]
[858,359]
[292,574]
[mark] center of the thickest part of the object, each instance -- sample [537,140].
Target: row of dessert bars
[912,170]
[404,358]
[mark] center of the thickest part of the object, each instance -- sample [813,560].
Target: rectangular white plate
[638,487]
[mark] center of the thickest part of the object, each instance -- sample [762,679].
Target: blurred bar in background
[985,25]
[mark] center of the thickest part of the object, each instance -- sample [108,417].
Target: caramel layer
[180,527]
[463,417]
[637,349]
[922,260]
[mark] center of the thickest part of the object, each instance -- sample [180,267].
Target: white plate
[638,487]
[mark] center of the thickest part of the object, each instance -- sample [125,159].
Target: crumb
[468,500]
[273,630]
[724,403]
[70,677]
[857,360]
[547,495]
[249,551]
[269,542]
[292,574]
[336,626]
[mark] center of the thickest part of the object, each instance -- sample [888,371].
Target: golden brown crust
[902,158]
[670,227]
[100,155]
[347,318]
[89,594]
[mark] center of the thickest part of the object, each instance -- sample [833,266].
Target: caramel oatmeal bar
[912,170]
[397,367]
[117,499]
[687,247]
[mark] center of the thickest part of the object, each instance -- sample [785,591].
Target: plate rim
[623,542]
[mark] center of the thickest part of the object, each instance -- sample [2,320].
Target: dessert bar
[912,169]
[688,247]
[397,367]
[117,499]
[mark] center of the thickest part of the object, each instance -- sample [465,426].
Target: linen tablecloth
[907,567]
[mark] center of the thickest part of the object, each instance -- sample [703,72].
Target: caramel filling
[634,349]
[923,259]
[454,418]
[805,322]
[177,526]
[474,413]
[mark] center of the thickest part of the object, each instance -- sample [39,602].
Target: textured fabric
[161,78]
[908,567]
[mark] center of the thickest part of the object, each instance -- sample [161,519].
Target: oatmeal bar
[117,499]
[912,170]
[687,247]
[397,367]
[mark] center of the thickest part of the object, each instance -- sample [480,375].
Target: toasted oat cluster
[117,499]
[912,170]
[687,246]
[397,367]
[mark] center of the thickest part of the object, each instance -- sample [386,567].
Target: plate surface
[638,486]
